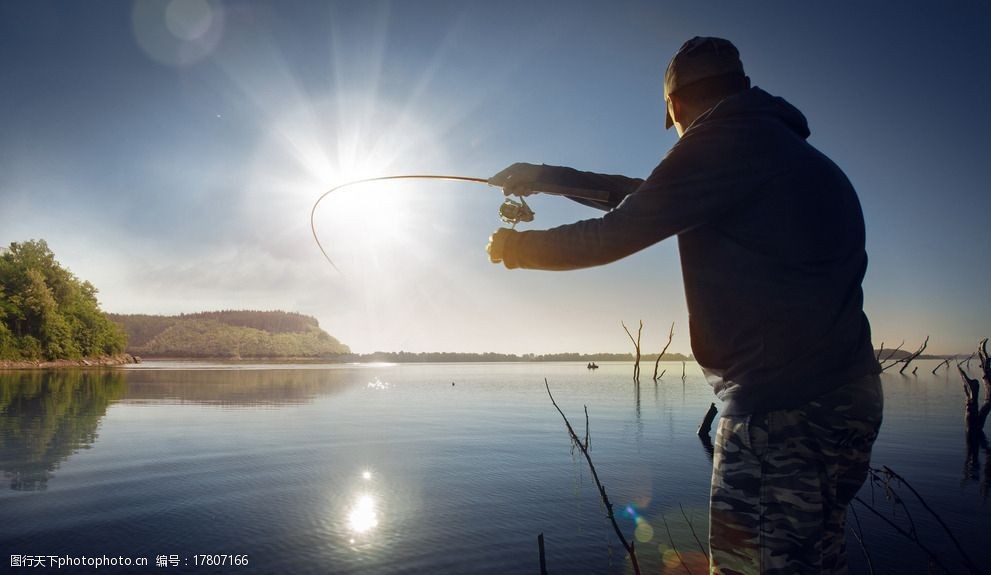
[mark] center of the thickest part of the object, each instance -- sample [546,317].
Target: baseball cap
[700,58]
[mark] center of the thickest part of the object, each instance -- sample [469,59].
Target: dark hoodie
[771,236]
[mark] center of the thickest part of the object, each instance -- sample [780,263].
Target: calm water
[392,469]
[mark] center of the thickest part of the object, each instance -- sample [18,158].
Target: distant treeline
[452,357]
[46,312]
[234,334]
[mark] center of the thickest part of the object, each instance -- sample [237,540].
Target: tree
[46,312]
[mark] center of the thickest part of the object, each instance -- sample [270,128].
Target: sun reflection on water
[363,516]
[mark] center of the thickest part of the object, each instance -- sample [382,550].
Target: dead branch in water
[671,541]
[692,527]
[910,536]
[636,346]
[540,548]
[946,362]
[905,361]
[982,352]
[885,477]
[859,534]
[889,356]
[602,490]
[706,426]
[912,357]
[976,416]
[658,360]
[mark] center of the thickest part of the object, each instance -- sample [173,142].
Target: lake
[434,468]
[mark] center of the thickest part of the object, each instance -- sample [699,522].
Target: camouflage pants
[781,482]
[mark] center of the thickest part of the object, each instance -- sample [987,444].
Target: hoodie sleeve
[561,177]
[706,174]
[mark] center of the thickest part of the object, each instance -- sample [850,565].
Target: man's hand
[518,179]
[497,244]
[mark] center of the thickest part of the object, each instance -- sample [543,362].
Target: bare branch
[706,426]
[911,537]
[859,534]
[636,346]
[946,362]
[671,541]
[890,355]
[982,354]
[966,361]
[663,351]
[588,438]
[602,490]
[970,564]
[692,527]
[543,561]
[975,417]
[912,357]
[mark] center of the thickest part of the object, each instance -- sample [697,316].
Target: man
[771,237]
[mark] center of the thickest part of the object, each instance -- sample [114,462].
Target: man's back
[773,283]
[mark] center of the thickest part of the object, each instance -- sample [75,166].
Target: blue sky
[170,152]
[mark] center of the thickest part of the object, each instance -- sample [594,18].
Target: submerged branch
[946,362]
[912,357]
[636,346]
[911,536]
[602,490]
[884,477]
[692,527]
[859,534]
[658,360]
[706,426]
[671,541]
[889,356]
[946,528]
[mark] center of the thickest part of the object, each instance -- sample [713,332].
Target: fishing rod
[511,211]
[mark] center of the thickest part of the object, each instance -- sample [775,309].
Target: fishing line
[313,226]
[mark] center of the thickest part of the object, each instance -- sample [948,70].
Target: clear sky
[169,152]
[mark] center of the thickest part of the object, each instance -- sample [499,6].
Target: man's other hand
[518,179]
[497,244]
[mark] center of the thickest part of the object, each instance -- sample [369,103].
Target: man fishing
[771,238]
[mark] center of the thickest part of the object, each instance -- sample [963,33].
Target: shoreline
[99,362]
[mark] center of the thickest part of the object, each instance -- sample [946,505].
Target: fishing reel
[513,212]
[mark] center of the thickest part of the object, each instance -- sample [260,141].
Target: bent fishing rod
[511,211]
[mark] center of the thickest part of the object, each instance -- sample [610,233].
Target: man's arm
[524,179]
[704,176]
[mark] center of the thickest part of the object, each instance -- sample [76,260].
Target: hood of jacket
[755,102]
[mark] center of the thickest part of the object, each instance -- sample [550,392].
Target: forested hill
[228,334]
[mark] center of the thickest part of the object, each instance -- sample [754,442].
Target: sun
[344,138]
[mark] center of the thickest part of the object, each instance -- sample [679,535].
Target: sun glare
[343,139]
[363,518]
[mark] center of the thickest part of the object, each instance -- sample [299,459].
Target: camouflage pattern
[781,482]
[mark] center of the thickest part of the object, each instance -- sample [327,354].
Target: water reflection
[46,417]
[235,387]
[977,443]
[363,517]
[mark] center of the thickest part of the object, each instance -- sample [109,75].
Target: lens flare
[179,32]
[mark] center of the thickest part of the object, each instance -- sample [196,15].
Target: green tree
[46,312]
